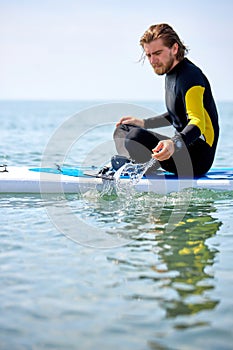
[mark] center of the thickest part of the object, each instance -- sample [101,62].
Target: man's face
[162,58]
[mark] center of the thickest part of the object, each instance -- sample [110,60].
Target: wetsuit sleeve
[158,121]
[199,122]
[195,114]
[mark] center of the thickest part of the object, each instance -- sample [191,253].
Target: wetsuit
[192,111]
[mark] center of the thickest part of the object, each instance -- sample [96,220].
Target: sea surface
[120,277]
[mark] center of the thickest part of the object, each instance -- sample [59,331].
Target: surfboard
[78,180]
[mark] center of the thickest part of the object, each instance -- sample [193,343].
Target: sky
[89,49]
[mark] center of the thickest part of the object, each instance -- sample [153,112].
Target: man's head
[163,47]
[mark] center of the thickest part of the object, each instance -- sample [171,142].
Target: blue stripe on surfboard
[64,171]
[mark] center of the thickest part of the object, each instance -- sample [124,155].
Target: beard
[164,68]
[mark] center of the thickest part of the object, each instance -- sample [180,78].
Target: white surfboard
[73,180]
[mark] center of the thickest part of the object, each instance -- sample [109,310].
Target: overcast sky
[73,49]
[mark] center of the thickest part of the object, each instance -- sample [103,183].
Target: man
[190,109]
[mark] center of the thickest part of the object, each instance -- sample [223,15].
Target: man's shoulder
[189,66]
[190,74]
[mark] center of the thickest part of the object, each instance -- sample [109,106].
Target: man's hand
[164,150]
[131,120]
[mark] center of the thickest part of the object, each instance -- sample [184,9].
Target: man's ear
[175,48]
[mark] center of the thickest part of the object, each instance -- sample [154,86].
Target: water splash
[108,190]
[114,187]
[134,171]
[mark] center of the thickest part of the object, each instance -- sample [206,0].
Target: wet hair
[168,35]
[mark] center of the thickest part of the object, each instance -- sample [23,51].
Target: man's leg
[135,142]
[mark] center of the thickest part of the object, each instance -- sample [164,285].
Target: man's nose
[153,59]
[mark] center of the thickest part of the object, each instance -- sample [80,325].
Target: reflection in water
[169,272]
[181,270]
[187,252]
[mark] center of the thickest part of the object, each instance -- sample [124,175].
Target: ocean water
[121,279]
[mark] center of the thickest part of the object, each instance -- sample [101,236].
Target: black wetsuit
[192,111]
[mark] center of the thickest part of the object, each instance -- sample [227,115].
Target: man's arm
[158,121]
[149,123]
